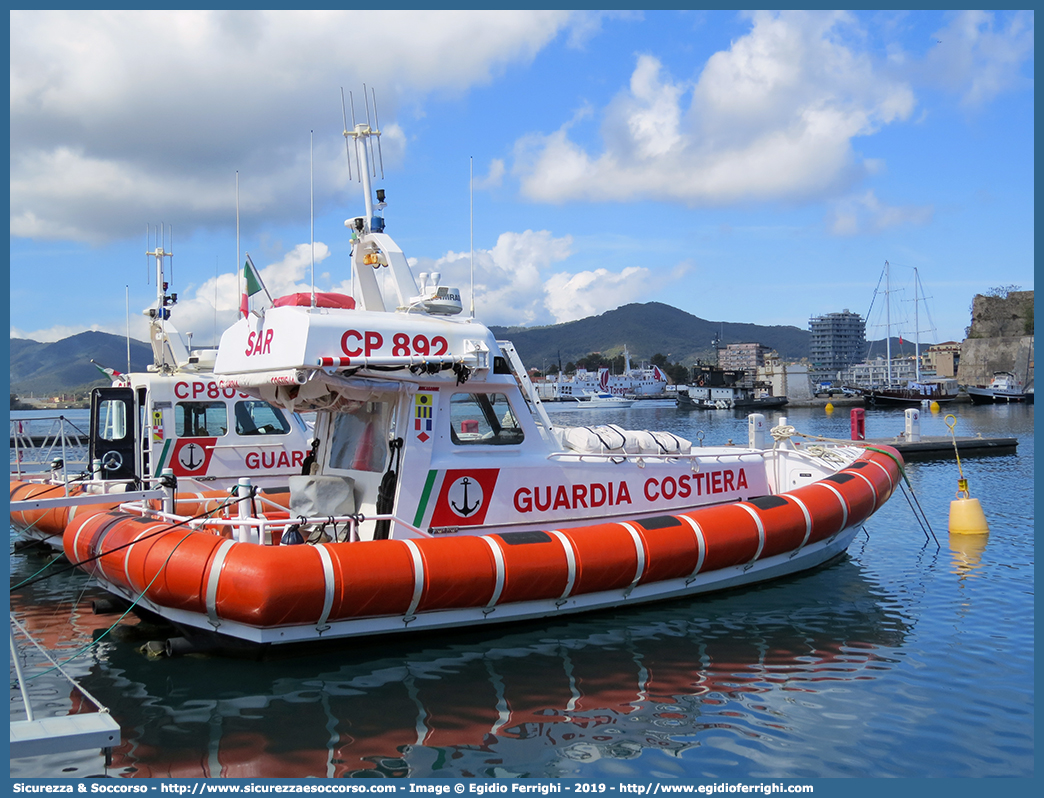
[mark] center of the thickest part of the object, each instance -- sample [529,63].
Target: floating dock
[928,447]
[60,734]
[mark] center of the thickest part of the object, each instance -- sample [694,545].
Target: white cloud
[120,116]
[494,178]
[214,305]
[772,118]
[866,214]
[979,57]
[58,332]
[520,281]
[576,296]
[210,308]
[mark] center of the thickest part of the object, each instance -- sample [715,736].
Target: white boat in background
[644,382]
[605,400]
[1005,387]
[175,417]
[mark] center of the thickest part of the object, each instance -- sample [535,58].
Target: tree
[1002,291]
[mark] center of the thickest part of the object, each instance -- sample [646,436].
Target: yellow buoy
[829,407]
[966,515]
[934,407]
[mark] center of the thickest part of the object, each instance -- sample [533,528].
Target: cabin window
[359,441]
[112,414]
[200,419]
[260,418]
[483,419]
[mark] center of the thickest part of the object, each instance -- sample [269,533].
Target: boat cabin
[203,433]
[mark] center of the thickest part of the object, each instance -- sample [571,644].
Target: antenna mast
[344,118]
[127,291]
[158,313]
[239,270]
[311,204]
[471,191]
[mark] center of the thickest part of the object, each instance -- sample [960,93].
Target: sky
[756,167]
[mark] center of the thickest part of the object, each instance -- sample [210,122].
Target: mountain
[646,329]
[65,366]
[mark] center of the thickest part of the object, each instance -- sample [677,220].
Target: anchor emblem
[461,486]
[187,457]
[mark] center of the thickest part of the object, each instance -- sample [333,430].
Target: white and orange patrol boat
[442,495]
[173,418]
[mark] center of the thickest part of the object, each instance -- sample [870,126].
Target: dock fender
[172,567]
[537,565]
[731,533]
[881,470]
[608,557]
[787,523]
[826,506]
[458,572]
[672,547]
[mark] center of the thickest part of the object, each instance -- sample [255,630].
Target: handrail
[85,499]
[62,435]
[263,524]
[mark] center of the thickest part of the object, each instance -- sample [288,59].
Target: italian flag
[112,374]
[251,285]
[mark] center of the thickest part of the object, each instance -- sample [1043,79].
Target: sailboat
[913,392]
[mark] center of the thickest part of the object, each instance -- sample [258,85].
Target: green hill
[646,329]
[64,366]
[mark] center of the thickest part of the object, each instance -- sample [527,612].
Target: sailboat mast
[888,322]
[917,330]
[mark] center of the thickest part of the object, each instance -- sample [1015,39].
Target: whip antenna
[351,103]
[344,118]
[377,132]
[239,271]
[373,164]
[127,289]
[311,205]
[471,191]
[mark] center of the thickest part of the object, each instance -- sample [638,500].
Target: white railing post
[65,472]
[756,431]
[16,434]
[169,483]
[243,491]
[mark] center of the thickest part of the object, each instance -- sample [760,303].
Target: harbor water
[910,656]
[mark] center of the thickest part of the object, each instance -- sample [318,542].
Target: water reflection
[967,552]
[554,697]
